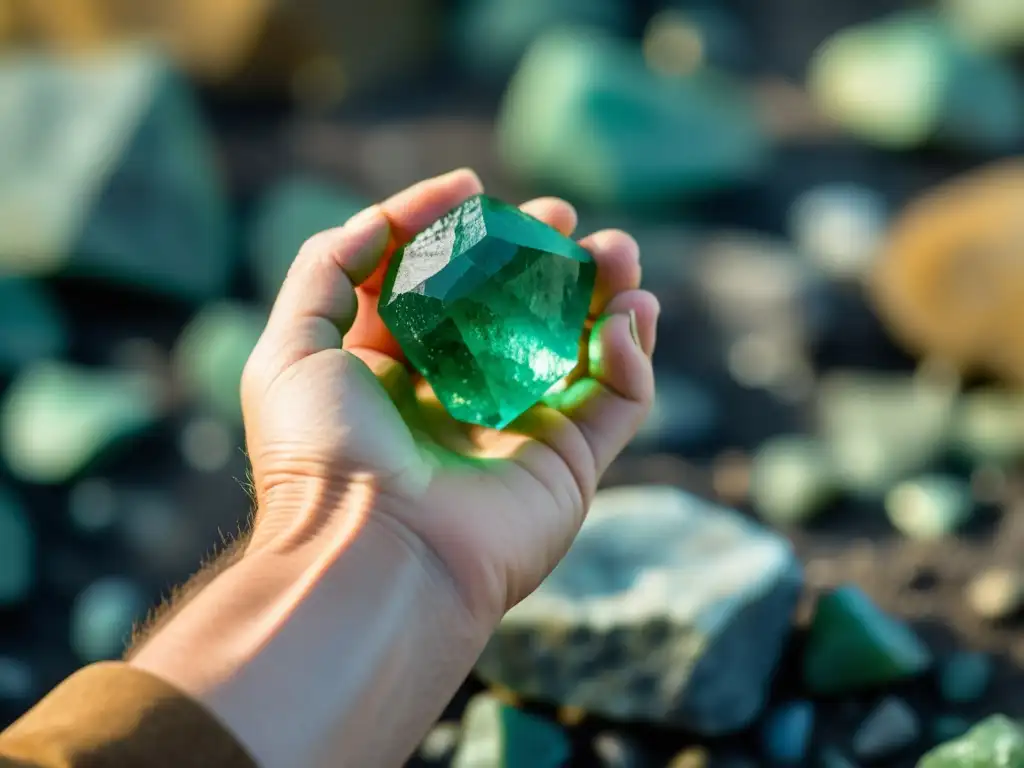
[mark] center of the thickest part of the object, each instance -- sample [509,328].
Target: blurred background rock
[821,558]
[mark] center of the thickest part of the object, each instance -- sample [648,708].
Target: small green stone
[31,325]
[930,507]
[290,213]
[57,419]
[964,677]
[996,742]
[212,351]
[496,735]
[852,645]
[989,426]
[792,479]
[488,304]
[17,551]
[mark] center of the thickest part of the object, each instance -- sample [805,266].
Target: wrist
[358,627]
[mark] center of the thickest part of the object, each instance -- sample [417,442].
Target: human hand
[343,436]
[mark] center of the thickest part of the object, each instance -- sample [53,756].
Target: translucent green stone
[996,742]
[488,304]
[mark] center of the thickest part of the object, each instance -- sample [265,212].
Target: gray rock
[32,326]
[890,728]
[997,593]
[290,213]
[666,609]
[17,551]
[57,419]
[882,428]
[792,479]
[930,507]
[211,353]
[496,735]
[102,618]
[964,677]
[786,734]
[108,172]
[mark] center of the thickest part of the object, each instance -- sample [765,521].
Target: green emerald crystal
[488,304]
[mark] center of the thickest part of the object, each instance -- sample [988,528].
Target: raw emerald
[488,304]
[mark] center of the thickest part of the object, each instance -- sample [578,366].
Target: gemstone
[930,507]
[995,742]
[488,304]
[965,677]
[496,734]
[852,645]
[787,733]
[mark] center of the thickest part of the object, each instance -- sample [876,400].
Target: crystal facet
[488,303]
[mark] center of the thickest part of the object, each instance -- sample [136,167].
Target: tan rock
[951,283]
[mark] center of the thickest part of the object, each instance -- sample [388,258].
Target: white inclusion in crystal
[431,250]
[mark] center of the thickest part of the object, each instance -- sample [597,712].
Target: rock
[908,79]
[57,419]
[852,645]
[688,35]
[944,286]
[692,757]
[211,353]
[652,615]
[207,444]
[102,618]
[17,681]
[93,506]
[840,227]
[995,742]
[489,37]
[997,593]
[930,507]
[964,677]
[995,25]
[438,746]
[792,480]
[988,426]
[881,428]
[831,757]
[684,414]
[32,326]
[614,750]
[890,728]
[313,49]
[585,115]
[17,551]
[787,731]
[289,214]
[108,173]
[947,727]
[496,735]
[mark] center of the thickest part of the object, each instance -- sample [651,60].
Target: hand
[343,436]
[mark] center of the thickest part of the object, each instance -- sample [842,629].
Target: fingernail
[368,218]
[634,329]
[469,172]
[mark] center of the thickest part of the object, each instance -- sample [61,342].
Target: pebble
[211,353]
[930,507]
[573,82]
[852,645]
[614,750]
[995,742]
[792,480]
[964,677]
[92,505]
[102,618]
[17,681]
[666,609]
[438,746]
[496,735]
[115,179]
[989,427]
[997,593]
[787,731]
[32,326]
[17,551]
[891,727]
[840,227]
[57,419]
[291,212]
[691,757]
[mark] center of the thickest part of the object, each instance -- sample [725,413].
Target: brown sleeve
[111,714]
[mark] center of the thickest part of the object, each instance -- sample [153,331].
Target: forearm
[337,652]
